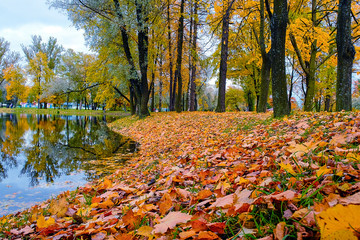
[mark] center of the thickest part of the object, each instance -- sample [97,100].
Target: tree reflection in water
[47,147]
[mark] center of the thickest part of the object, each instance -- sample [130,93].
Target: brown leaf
[218,227]
[99,236]
[223,202]
[205,235]
[187,234]
[288,195]
[242,200]
[204,194]
[306,217]
[338,140]
[165,203]
[279,231]
[198,225]
[170,221]
[59,207]
[353,199]
[130,219]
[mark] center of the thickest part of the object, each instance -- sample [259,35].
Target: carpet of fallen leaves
[216,176]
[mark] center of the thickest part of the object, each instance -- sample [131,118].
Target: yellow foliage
[42,223]
[339,221]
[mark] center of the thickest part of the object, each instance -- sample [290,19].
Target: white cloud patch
[68,37]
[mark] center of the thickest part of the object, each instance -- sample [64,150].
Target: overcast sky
[20,19]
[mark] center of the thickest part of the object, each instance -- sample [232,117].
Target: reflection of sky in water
[19,190]
[17,195]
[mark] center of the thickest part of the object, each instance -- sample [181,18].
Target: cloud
[68,37]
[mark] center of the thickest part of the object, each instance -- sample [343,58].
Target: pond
[42,156]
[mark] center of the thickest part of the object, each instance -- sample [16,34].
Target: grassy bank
[64,112]
[216,176]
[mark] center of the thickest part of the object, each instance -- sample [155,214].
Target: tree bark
[172,84]
[194,61]
[143,43]
[223,58]
[278,36]
[139,84]
[266,64]
[160,82]
[346,54]
[178,77]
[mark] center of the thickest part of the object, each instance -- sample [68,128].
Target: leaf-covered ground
[216,176]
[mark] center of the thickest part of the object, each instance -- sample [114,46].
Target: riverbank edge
[68,112]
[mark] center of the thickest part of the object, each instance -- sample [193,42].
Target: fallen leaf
[338,219]
[187,234]
[322,171]
[204,194]
[288,195]
[287,167]
[99,236]
[305,216]
[106,204]
[145,231]
[165,203]
[218,227]
[206,235]
[279,231]
[59,207]
[223,202]
[130,219]
[338,140]
[42,223]
[352,199]
[170,221]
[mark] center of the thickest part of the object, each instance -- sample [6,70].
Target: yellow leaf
[107,204]
[342,234]
[323,170]
[339,219]
[353,157]
[145,231]
[42,223]
[59,207]
[288,168]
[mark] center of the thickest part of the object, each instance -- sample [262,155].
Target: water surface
[43,155]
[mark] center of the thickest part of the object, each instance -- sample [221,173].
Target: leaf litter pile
[216,176]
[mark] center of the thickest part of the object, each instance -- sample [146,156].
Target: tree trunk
[327,103]
[346,54]
[178,77]
[143,43]
[266,64]
[194,61]
[278,35]
[152,104]
[172,86]
[139,84]
[223,58]
[67,100]
[160,83]
[132,101]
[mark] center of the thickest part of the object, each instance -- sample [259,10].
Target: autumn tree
[41,73]
[15,87]
[129,21]
[7,58]
[42,56]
